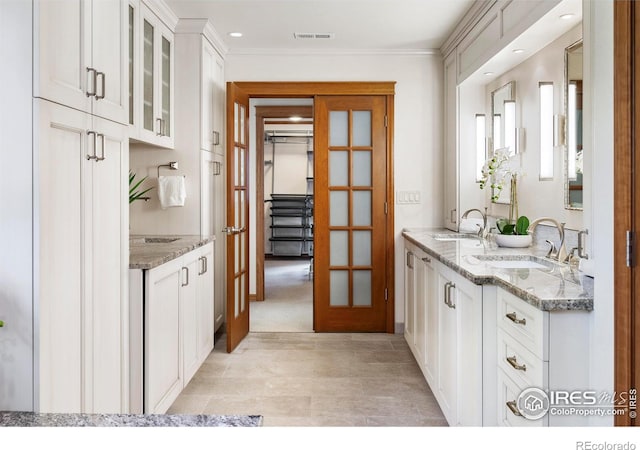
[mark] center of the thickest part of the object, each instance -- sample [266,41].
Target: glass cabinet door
[165,88]
[148,76]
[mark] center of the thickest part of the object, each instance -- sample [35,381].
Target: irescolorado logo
[533,403]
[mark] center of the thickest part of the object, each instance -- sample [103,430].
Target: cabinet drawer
[524,323]
[525,368]
[508,392]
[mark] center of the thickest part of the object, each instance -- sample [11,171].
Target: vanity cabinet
[536,348]
[443,317]
[81,256]
[178,325]
[151,76]
[80,52]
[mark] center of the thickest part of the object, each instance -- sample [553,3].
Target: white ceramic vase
[514,240]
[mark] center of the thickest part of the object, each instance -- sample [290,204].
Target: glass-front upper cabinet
[151,77]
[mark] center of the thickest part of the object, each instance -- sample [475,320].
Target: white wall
[538,198]
[418,121]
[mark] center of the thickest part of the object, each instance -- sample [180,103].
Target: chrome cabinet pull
[216,138]
[94,81]
[159,122]
[187,276]
[95,144]
[206,264]
[102,85]
[514,363]
[409,258]
[512,317]
[426,259]
[514,408]
[201,269]
[451,286]
[452,216]
[101,158]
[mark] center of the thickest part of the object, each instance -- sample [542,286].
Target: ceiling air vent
[313,35]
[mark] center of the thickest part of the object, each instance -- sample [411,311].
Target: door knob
[233,230]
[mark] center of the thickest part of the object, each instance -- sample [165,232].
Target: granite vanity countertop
[30,419]
[147,252]
[557,287]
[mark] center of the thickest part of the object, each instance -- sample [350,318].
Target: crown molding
[204,27]
[476,11]
[164,13]
[332,52]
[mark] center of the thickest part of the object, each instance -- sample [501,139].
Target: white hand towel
[470,225]
[171,191]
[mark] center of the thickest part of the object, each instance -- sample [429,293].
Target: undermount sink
[153,240]
[515,261]
[453,236]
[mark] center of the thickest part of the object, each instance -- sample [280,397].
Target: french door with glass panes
[350,214]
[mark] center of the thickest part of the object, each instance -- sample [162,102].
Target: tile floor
[309,379]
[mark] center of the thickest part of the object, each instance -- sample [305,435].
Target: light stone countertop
[30,419]
[147,252]
[555,288]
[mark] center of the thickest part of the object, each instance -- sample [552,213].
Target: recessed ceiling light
[295,118]
[235,34]
[488,73]
[567,16]
[518,50]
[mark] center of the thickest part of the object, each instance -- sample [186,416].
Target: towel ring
[173,165]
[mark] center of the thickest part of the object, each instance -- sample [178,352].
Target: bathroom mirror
[503,125]
[573,155]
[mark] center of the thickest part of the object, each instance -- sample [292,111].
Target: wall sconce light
[481,149]
[572,148]
[497,131]
[546,130]
[510,131]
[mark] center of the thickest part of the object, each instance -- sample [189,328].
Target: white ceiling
[359,25]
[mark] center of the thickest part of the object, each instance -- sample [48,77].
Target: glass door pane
[166,87]
[131,56]
[147,79]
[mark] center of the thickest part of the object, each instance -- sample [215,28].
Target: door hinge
[386,208]
[386,294]
[630,239]
[386,121]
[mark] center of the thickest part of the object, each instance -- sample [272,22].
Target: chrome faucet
[560,254]
[483,231]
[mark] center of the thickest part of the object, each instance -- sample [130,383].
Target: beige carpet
[288,304]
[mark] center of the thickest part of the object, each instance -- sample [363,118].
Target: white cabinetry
[80,55]
[443,317]
[81,261]
[213,99]
[151,72]
[535,349]
[178,318]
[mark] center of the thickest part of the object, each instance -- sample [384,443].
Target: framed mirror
[573,155]
[503,127]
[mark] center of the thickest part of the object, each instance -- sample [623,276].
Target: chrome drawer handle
[514,409]
[512,317]
[426,259]
[514,363]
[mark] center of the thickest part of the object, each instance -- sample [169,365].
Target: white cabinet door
[409,297]
[447,388]
[110,53]
[82,258]
[80,55]
[205,302]
[105,238]
[207,95]
[450,176]
[156,78]
[163,355]
[189,312]
[61,141]
[219,105]
[426,325]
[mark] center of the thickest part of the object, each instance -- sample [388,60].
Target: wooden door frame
[627,209]
[267,112]
[312,89]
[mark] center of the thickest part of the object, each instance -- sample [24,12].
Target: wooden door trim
[626,123]
[264,112]
[309,89]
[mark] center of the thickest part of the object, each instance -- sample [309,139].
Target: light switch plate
[407,197]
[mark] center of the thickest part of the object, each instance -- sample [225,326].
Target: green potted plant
[134,193]
[513,234]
